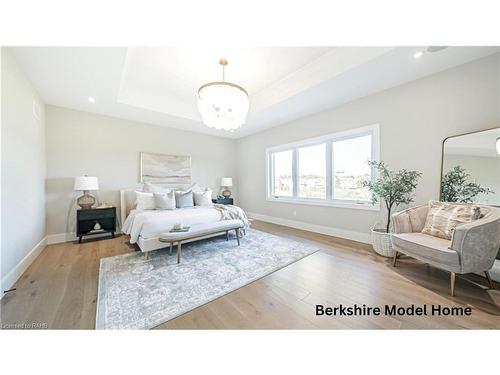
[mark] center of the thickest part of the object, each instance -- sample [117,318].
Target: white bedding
[150,223]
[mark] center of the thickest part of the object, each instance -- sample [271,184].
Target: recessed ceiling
[159,85]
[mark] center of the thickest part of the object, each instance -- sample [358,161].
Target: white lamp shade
[86,183]
[226,181]
[498,146]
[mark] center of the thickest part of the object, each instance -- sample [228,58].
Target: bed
[144,227]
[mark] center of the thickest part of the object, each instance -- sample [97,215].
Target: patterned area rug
[135,293]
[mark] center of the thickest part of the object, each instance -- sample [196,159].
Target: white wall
[81,143]
[23,172]
[414,119]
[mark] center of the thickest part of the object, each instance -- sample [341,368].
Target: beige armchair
[473,246]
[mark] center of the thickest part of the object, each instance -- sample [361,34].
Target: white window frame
[328,140]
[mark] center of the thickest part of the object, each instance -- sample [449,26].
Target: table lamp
[226,182]
[86,183]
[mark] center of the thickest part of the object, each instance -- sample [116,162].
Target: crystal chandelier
[223,105]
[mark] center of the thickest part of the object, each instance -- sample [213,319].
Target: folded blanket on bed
[229,212]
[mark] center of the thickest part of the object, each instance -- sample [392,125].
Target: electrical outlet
[294,212]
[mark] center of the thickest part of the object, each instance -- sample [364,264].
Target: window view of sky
[312,171]
[350,168]
[283,185]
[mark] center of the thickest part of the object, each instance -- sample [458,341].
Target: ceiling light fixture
[91,99]
[418,54]
[223,105]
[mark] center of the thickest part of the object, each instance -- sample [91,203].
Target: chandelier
[223,105]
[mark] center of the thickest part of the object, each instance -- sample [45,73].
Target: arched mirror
[471,168]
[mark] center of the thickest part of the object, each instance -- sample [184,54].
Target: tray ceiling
[158,85]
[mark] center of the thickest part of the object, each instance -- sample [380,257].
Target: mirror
[470,170]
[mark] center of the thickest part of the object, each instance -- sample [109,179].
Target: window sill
[325,203]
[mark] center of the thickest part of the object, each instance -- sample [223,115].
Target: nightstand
[86,221]
[223,200]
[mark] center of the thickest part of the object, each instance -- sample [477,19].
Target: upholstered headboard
[128,197]
[127,203]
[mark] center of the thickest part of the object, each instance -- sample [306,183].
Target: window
[327,170]
[350,168]
[312,171]
[282,181]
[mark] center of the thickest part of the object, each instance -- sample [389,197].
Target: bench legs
[179,245]
[237,231]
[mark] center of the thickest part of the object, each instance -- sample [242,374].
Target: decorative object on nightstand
[222,200]
[95,221]
[226,182]
[85,184]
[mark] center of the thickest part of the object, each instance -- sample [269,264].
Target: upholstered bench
[199,231]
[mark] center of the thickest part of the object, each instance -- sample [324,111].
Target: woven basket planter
[381,242]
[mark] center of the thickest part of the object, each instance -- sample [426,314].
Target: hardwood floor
[60,289]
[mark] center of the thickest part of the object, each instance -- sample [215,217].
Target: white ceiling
[159,85]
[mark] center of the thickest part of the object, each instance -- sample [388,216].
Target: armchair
[472,248]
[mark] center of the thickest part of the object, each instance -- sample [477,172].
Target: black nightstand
[87,219]
[223,200]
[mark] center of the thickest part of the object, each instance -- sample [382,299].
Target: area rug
[135,293]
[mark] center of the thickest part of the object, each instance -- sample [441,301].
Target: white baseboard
[330,231]
[10,279]
[70,237]
[60,238]
[342,233]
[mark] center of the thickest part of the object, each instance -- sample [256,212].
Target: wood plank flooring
[60,289]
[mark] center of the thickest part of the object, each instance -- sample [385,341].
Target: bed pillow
[144,201]
[164,201]
[444,217]
[204,198]
[184,199]
[152,188]
[195,188]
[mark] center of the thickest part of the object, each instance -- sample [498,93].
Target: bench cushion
[201,230]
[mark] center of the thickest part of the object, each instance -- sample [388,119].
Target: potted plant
[393,188]
[456,188]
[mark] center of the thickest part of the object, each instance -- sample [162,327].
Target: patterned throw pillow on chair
[444,217]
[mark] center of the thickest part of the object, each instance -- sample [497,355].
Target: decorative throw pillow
[184,199]
[165,201]
[195,188]
[152,188]
[444,217]
[204,198]
[144,201]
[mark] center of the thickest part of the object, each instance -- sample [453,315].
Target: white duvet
[150,223]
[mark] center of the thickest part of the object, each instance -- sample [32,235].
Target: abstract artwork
[172,170]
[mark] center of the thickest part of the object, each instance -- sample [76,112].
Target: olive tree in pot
[393,188]
[457,187]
